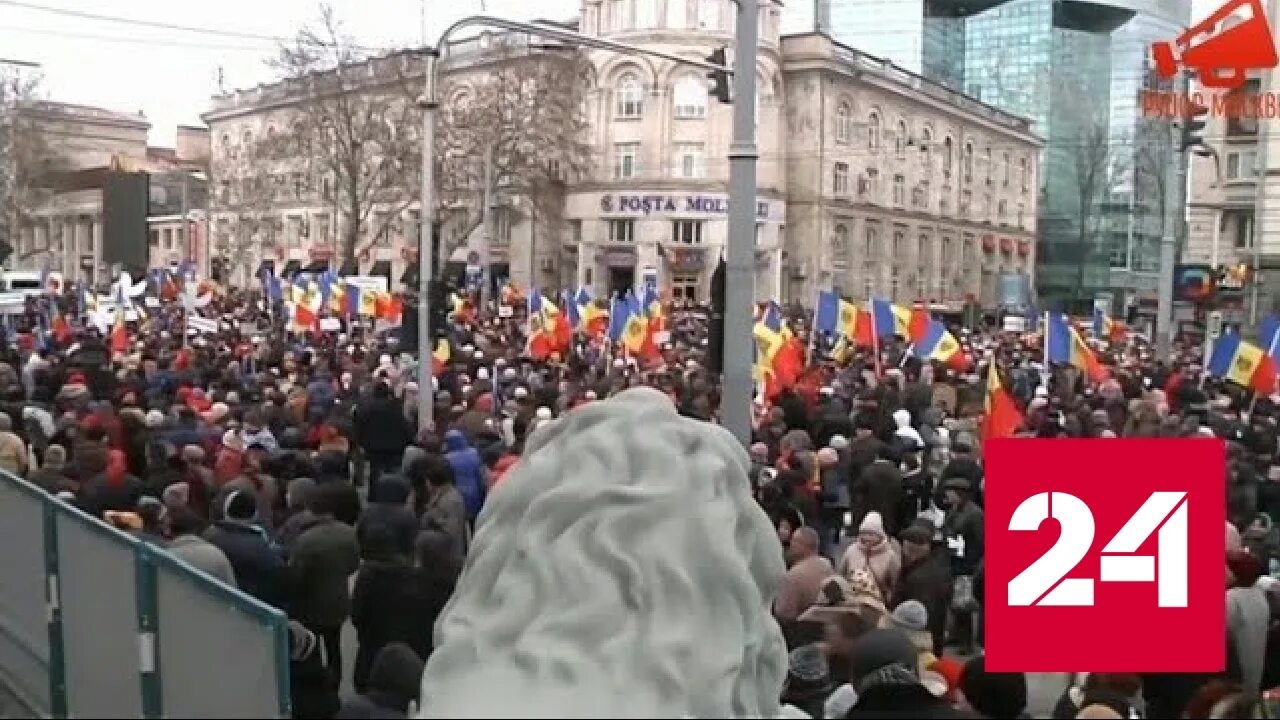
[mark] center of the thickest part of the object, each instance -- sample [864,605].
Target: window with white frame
[844,123]
[1005,168]
[947,152]
[986,164]
[899,190]
[622,231]
[873,131]
[502,226]
[630,93]
[626,161]
[968,162]
[687,232]
[926,149]
[900,139]
[690,98]
[684,287]
[840,178]
[690,160]
[168,238]
[871,245]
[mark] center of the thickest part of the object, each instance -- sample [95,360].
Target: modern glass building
[1076,68]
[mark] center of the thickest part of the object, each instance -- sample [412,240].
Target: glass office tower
[1075,67]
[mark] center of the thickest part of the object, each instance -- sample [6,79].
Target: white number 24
[1043,583]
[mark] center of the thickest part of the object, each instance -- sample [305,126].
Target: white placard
[202,324]
[506,311]
[330,324]
[152,301]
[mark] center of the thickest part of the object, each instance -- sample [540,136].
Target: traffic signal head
[1192,125]
[719,78]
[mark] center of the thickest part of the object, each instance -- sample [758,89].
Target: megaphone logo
[1221,53]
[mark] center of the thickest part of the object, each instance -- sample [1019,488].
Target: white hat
[482,374]
[826,390]
[384,359]
[543,413]
[500,362]
[691,364]
[468,348]
[520,393]
[478,355]
[466,389]
[509,374]
[619,363]
[590,395]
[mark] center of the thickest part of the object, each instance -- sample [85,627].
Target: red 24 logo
[1105,555]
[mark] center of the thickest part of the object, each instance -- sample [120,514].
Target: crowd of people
[287,464]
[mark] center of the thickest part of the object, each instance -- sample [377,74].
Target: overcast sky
[170,74]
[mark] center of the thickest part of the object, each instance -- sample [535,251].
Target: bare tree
[524,109]
[1096,173]
[247,195]
[29,164]
[355,124]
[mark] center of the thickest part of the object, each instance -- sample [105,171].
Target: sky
[169,74]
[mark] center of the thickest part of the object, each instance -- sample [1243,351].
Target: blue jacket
[468,471]
[259,568]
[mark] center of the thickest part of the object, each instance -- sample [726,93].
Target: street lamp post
[735,399]
[736,413]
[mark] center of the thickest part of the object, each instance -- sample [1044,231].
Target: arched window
[873,131]
[947,149]
[690,98]
[871,245]
[1005,169]
[900,140]
[844,123]
[630,97]
[840,244]
[926,149]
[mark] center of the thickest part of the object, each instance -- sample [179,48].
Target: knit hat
[872,523]
[397,673]
[828,457]
[239,505]
[838,442]
[808,675]
[996,695]
[912,618]
[920,532]
[154,419]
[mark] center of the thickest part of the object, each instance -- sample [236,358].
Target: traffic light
[719,78]
[1192,125]
[715,333]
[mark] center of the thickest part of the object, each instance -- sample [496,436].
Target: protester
[804,578]
[255,561]
[187,545]
[321,562]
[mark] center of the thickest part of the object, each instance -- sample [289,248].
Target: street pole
[486,232]
[184,208]
[1173,190]
[735,403]
[427,213]
[1259,207]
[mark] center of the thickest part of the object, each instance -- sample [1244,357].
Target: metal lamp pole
[426,241]
[740,293]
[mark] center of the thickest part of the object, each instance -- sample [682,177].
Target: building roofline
[887,69]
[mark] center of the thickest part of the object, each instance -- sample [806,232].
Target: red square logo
[1105,555]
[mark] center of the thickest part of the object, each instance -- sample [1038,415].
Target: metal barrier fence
[95,623]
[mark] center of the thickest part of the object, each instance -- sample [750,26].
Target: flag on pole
[1064,345]
[1243,363]
[1002,417]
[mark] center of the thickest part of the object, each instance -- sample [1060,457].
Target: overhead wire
[173,27]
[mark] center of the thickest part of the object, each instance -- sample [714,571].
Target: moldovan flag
[635,327]
[837,316]
[1243,363]
[888,320]
[595,320]
[1064,345]
[786,354]
[387,307]
[306,302]
[1002,417]
[937,343]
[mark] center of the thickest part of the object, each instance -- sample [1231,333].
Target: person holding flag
[1063,345]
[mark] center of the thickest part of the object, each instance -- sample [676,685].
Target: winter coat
[928,582]
[468,471]
[884,562]
[98,495]
[389,520]
[203,556]
[963,533]
[386,607]
[879,489]
[381,427]
[447,513]
[901,701]
[1248,617]
[321,563]
[259,569]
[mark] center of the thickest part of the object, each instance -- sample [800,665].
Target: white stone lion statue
[622,569]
